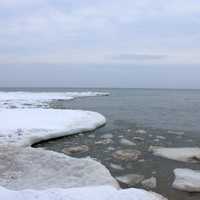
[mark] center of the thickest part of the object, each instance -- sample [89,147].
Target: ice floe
[27,126]
[85,193]
[75,149]
[140,139]
[130,179]
[126,142]
[126,155]
[187,180]
[160,137]
[104,141]
[107,136]
[29,168]
[187,154]
[40,99]
[140,131]
[116,167]
[180,133]
[150,183]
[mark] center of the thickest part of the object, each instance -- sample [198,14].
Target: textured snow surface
[39,99]
[27,126]
[187,154]
[29,168]
[187,180]
[86,193]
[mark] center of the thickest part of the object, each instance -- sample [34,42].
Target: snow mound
[40,99]
[187,154]
[29,168]
[86,193]
[187,180]
[24,127]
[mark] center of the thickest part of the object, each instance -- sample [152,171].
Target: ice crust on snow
[186,154]
[187,180]
[40,99]
[85,193]
[24,127]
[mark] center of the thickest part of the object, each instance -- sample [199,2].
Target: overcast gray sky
[93,43]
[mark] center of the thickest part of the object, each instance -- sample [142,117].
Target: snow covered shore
[40,99]
[24,127]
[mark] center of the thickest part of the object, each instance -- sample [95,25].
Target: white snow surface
[85,193]
[40,99]
[187,180]
[24,127]
[39,169]
[186,154]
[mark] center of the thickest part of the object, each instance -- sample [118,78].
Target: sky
[92,43]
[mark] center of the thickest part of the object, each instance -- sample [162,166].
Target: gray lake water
[128,110]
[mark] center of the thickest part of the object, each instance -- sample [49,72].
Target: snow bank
[87,193]
[40,99]
[187,180]
[27,126]
[187,154]
[29,168]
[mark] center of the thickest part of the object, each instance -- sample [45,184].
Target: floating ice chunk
[110,148]
[140,131]
[126,142]
[187,154]
[29,168]
[187,180]
[130,179]
[141,160]
[126,155]
[116,167]
[104,141]
[91,136]
[107,136]
[176,132]
[86,193]
[150,183]
[76,149]
[160,137]
[40,99]
[27,126]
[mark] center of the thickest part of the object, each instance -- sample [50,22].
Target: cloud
[80,31]
[139,57]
